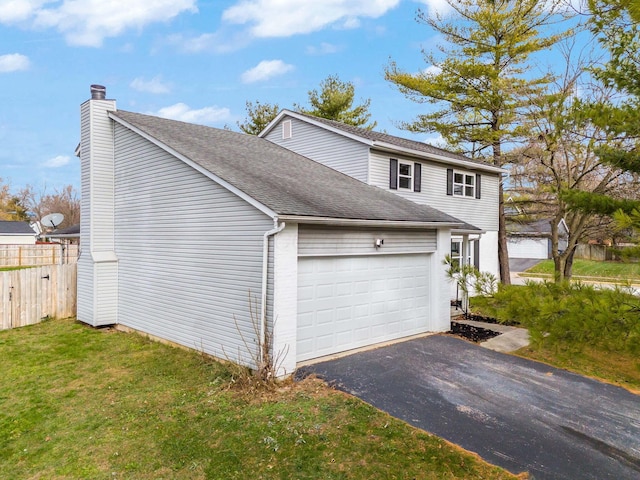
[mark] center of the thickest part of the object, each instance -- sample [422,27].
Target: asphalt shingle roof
[392,140]
[8,227]
[540,227]
[283,181]
[72,230]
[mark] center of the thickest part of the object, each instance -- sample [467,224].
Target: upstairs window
[463,184]
[405,175]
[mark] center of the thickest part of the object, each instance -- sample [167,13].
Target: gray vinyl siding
[319,241]
[102,176]
[85,287]
[97,282]
[482,212]
[85,264]
[106,293]
[190,253]
[340,153]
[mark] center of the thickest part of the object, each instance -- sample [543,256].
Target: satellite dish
[52,220]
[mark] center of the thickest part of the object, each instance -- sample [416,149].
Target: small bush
[569,316]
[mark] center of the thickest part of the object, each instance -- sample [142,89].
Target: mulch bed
[469,332]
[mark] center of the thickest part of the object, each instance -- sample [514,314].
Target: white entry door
[351,302]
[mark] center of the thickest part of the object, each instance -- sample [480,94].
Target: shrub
[569,316]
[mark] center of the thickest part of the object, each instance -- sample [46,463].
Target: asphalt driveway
[519,414]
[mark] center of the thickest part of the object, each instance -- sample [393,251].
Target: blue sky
[197,61]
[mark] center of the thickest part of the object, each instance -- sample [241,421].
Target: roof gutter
[353,222]
[467,231]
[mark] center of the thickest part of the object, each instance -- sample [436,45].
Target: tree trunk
[559,259]
[558,271]
[503,253]
[568,264]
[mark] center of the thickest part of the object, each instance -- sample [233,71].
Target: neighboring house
[533,239]
[212,239]
[16,233]
[427,175]
[65,235]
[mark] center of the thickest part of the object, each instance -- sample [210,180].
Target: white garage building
[214,240]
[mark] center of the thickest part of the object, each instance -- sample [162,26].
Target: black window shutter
[449,181]
[476,254]
[393,174]
[478,176]
[417,177]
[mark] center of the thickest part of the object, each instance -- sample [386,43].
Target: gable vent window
[286,129]
[461,184]
[405,175]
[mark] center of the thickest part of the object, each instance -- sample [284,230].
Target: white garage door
[350,302]
[528,247]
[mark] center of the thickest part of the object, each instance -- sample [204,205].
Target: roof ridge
[281,180]
[392,139]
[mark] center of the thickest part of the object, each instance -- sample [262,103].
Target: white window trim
[464,185]
[458,257]
[410,177]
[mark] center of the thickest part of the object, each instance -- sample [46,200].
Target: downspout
[265,268]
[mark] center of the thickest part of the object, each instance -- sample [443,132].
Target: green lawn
[622,369]
[590,269]
[76,402]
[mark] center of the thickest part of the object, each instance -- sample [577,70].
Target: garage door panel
[344,288]
[350,302]
[528,248]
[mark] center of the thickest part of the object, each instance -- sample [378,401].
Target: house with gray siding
[532,239]
[214,240]
[16,233]
[455,184]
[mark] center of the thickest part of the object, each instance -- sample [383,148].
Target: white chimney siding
[98,264]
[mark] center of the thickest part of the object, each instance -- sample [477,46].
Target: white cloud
[437,141]
[13,11]
[265,70]
[203,116]
[56,162]
[218,42]
[284,18]
[13,62]
[155,85]
[432,70]
[323,49]
[89,22]
[437,6]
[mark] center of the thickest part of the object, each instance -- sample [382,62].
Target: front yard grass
[593,270]
[618,368]
[76,402]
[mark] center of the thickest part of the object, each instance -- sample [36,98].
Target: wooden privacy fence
[30,295]
[39,254]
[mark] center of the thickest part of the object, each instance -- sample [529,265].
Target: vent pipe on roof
[98,92]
